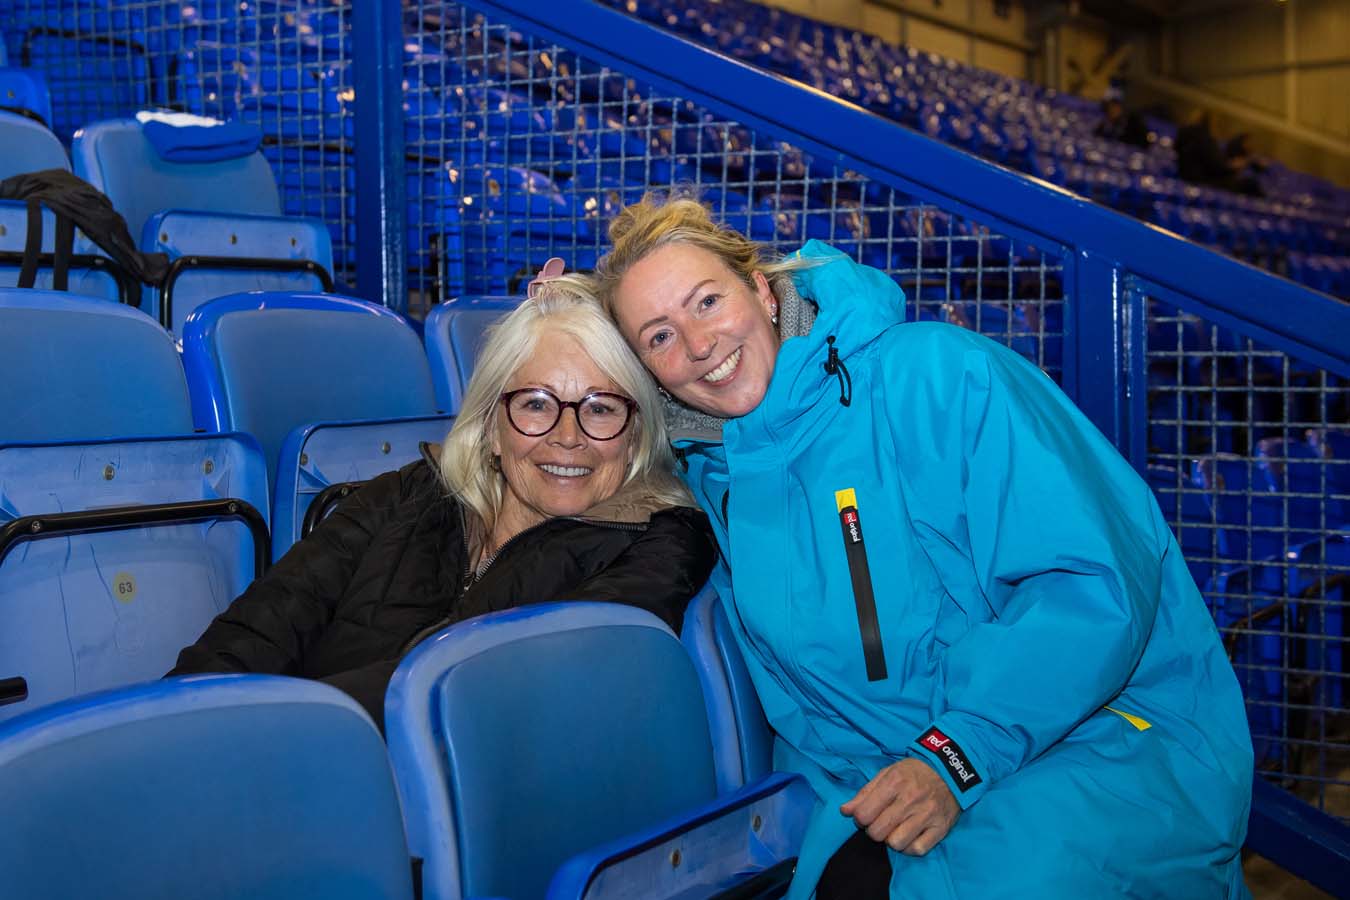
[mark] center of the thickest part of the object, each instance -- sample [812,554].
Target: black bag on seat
[76,203]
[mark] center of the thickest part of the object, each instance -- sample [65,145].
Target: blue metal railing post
[381,182]
[1134,443]
[1095,359]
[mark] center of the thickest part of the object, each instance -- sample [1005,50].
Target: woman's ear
[764,294]
[494,440]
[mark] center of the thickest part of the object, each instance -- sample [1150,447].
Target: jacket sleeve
[268,628]
[660,571]
[1043,534]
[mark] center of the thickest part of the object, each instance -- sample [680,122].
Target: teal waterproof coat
[1037,637]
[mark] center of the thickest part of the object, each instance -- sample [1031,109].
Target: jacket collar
[635,503]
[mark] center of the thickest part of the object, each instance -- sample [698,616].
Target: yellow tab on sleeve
[1141,724]
[845,498]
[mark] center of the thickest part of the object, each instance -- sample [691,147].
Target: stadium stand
[122,534]
[1300,228]
[512,132]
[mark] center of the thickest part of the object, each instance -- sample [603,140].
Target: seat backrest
[115,157]
[742,741]
[285,253]
[584,720]
[114,555]
[29,146]
[455,331]
[1294,470]
[224,785]
[1334,447]
[82,368]
[268,362]
[753,735]
[26,90]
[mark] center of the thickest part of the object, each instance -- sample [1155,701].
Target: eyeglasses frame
[505,400]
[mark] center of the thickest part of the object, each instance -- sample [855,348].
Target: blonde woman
[555,483]
[968,622]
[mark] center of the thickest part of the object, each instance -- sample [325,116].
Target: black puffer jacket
[390,567]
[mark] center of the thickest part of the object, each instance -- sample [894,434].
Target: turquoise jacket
[1044,647]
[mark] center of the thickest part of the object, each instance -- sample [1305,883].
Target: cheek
[512,447]
[616,457]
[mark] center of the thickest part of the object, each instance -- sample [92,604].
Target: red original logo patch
[950,753]
[935,739]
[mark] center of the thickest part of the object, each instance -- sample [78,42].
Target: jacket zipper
[471,577]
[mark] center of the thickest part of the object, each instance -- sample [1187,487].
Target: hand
[907,805]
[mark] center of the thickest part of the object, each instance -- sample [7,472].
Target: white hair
[565,305]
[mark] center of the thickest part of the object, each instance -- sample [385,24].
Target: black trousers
[859,870]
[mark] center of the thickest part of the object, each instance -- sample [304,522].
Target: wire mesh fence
[283,65]
[1249,456]
[526,150]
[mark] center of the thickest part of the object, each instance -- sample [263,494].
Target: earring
[665,394]
[773,315]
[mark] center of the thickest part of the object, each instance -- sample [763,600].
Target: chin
[729,407]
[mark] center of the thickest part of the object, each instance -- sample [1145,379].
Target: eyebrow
[683,303]
[593,389]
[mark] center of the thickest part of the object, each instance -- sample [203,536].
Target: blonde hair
[565,305]
[678,218]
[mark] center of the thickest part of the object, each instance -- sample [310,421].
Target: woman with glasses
[970,626]
[555,483]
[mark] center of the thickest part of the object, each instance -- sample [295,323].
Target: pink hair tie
[551,270]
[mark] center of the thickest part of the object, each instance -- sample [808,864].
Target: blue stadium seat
[474,733]
[122,534]
[742,740]
[25,91]
[164,202]
[336,390]
[1295,470]
[1334,446]
[224,786]
[1259,644]
[1190,517]
[30,147]
[454,334]
[1254,525]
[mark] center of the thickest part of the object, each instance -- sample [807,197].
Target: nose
[567,433]
[700,345]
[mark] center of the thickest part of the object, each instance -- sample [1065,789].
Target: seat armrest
[701,853]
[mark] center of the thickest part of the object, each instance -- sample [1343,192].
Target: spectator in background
[1118,125]
[1200,159]
[1244,166]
